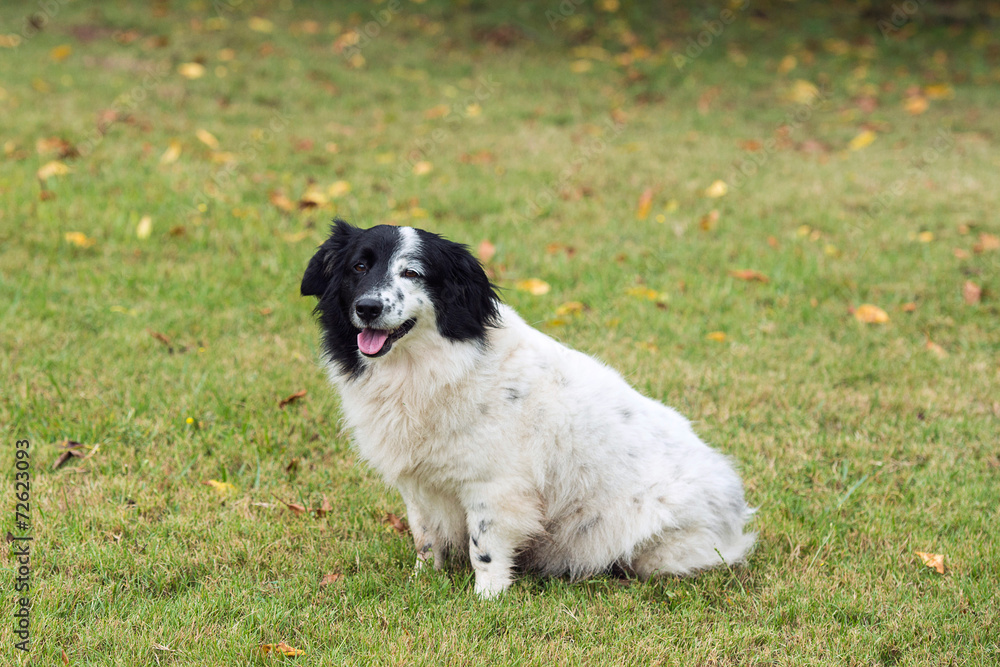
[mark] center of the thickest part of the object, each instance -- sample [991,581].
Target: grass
[859,444]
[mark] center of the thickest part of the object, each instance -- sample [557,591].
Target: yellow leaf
[473,110]
[50,169]
[422,167]
[278,198]
[79,239]
[313,197]
[172,153]
[282,648]
[864,139]
[295,237]
[646,293]
[222,488]
[787,64]
[207,138]
[258,24]
[717,189]
[925,237]
[581,66]
[191,70]
[672,205]
[935,561]
[570,308]
[939,91]
[870,314]
[717,336]
[533,286]
[144,228]
[338,189]
[645,202]
[802,92]
[60,53]
[915,105]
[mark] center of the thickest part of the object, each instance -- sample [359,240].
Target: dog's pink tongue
[370,341]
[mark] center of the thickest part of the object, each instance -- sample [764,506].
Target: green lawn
[169,169]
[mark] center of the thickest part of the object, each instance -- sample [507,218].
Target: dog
[502,441]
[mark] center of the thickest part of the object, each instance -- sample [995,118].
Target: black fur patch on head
[330,277]
[464,299]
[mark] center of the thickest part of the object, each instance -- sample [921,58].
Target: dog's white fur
[523,445]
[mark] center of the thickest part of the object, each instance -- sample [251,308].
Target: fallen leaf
[258,24]
[50,169]
[144,228]
[960,254]
[172,153]
[295,237]
[925,237]
[486,251]
[297,510]
[802,92]
[396,523]
[178,230]
[160,337]
[939,91]
[65,458]
[292,398]
[864,139]
[570,308]
[716,189]
[282,648]
[709,221]
[313,197]
[278,198]
[292,466]
[331,578]
[60,53]
[191,70]
[646,293]
[65,658]
[971,292]
[908,307]
[56,145]
[645,202]
[749,274]
[581,66]
[423,167]
[936,349]
[324,509]
[439,111]
[986,242]
[222,488]
[338,189]
[870,314]
[207,138]
[915,105]
[533,286]
[935,561]
[787,64]
[718,336]
[479,157]
[79,239]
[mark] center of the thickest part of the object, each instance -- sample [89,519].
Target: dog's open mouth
[376,342]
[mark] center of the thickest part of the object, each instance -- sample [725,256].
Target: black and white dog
[500,439]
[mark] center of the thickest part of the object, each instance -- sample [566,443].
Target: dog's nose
[368,309]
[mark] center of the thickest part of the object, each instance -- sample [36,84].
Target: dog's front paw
[490,586]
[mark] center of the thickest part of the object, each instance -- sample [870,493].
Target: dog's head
[379,286]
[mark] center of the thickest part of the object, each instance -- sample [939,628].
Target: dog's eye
[410,273]
[360,267]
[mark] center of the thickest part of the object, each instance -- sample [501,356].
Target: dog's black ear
[466,303]
[322,266]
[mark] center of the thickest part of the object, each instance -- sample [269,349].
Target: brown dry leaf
[65,457]
[324,509]
[65,658]
[222,488]
[960,254]
[908,307]
[79,239]
[717,336]
[50,169]
[396,523]
[297,509]
[160,337]
[439,111]
[292,466]
[709,221]
[279,199]
[534,286]
[645,203]
[281,647]
[749,274]
[292,398]
[178,230]
[486,251]
[870,314]
[331,578]
[751,145]
[313,197]
[56,145]
[935,561]
[986,242]
[479,157]
[971,292]
[915,105]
